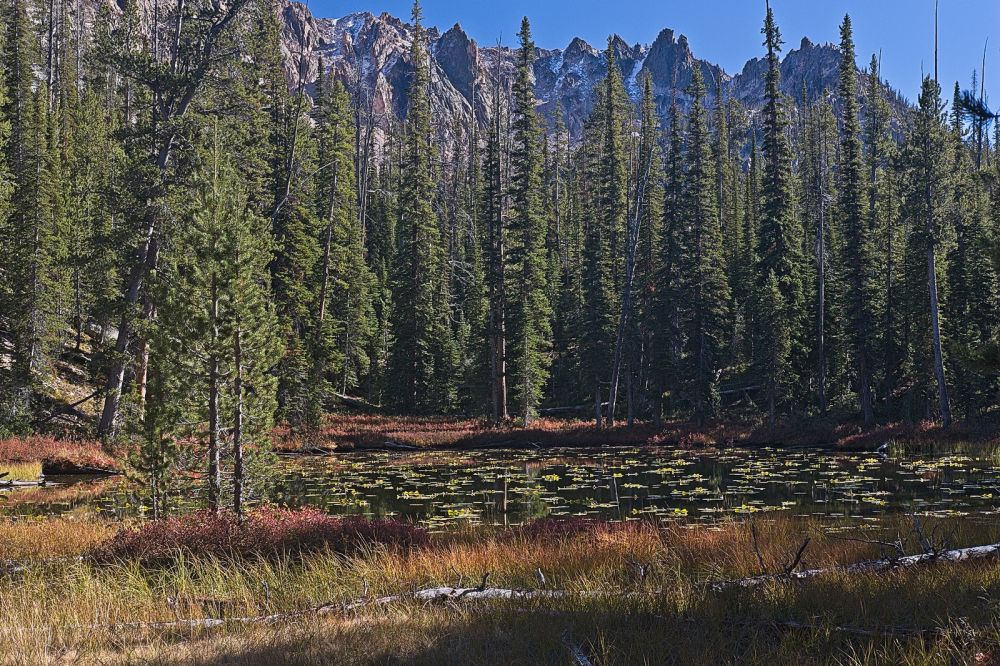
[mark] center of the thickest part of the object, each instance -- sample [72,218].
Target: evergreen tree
[779,244]
[706,301]
[858,252]
[215,342]
[530,330]
[971,305]
[342,325]
[494,205]
[604,253]
[422,356]
[927,158]
[668,336]
[879,148]
[650,164]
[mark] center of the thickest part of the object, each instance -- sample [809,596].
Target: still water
[512,486]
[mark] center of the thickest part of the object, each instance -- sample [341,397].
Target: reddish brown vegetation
[815,432]
[264,533]
[57,455]
[366,431]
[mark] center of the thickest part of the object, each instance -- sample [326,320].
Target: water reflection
[512,486]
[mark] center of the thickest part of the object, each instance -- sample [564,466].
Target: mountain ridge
[373,52]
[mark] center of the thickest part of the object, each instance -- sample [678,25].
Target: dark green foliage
[779,254]
[530,321]
[858,235]
[705,301]
[221,239]
[423,358]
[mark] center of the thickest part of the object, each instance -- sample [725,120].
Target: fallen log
[393,445]
[868,566]
[452,595]
[587,409]
[38,483]
[355,403]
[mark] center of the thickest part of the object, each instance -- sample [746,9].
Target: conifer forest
[223,264]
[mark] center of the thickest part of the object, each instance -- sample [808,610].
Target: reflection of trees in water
[513,486]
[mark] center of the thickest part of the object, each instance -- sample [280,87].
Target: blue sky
[728,31]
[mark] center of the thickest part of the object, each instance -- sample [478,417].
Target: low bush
[266,532]
[56,455]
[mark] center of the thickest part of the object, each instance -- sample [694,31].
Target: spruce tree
[650,164]
[970,309]
[342,318]
[215,341]
[530,330]
[422,355]
[706,297]
[879,153]
[858,252]
[668,299]
[606,243]
[495,252]
[927,159]
[779,239]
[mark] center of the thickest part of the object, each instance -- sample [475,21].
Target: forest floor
[622,593]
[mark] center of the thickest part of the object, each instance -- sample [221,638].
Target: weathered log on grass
[452,595]
[868,566]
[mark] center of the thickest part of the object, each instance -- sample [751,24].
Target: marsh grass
[21,471]
[61,609]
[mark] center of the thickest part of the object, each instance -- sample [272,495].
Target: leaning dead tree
[631,250]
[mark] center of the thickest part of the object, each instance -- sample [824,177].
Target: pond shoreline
[352,433]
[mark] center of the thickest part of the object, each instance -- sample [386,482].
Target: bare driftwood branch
[869,566]
[798,557]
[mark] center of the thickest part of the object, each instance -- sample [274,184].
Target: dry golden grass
[48,538]
[61,611]
[21,471]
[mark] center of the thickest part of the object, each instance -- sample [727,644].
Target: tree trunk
[238,420]
[597,402]
[214,473]
[943,400]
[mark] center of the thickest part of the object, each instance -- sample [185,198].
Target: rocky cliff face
[373,52]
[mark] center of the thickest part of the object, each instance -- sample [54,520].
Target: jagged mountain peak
[374,50]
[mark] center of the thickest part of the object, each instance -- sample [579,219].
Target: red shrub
[267,532]
[56,453]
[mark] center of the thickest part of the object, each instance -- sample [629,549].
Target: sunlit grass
[20,471]
[62,608]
